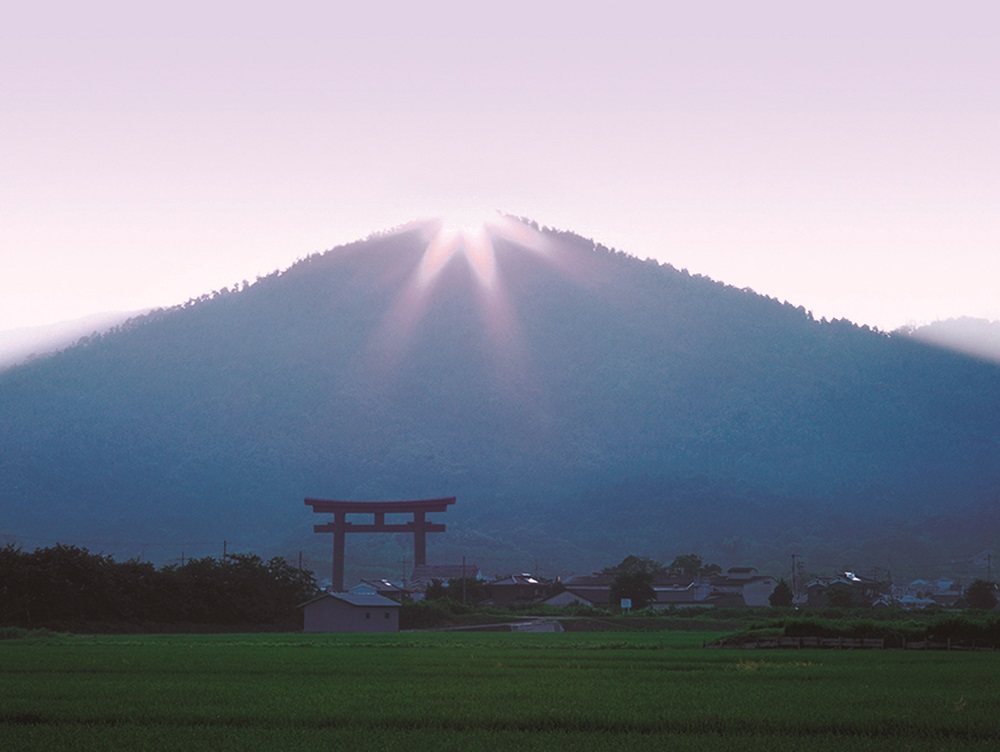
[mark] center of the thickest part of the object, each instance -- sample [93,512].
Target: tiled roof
[383,586]
[739,581]
[517,579]
[362,600]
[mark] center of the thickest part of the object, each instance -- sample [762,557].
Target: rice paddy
[494,691]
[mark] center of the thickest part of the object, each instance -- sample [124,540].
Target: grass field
[613,691]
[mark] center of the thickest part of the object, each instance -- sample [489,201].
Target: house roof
[680,588]
[740,582]
[586,597]
[360,600]
[596,595]
[517,580]
[383,586]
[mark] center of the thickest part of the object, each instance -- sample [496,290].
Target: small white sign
[626,604]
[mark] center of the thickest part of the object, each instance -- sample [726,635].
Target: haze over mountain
[23,343]
[979,338]
[581,404]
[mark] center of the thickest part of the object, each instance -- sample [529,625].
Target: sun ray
[478,249]
[466,234]
[438,253]
[472,237]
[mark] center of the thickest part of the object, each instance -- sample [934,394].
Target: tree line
[65,587]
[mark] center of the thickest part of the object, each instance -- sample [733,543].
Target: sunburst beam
[467,237]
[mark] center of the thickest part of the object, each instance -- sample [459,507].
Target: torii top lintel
[420,525]
[386,507]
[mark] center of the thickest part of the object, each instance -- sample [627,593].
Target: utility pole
[989,567]
[463,579]
[182,558]
[795,589]
[225,546]
[300,559]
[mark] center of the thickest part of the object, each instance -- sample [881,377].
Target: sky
[842,156]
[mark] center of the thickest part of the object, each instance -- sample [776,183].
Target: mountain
[18,345]
[581,404]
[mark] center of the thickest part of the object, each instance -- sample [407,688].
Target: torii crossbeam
[420,525]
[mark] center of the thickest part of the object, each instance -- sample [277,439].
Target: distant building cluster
[738,586]
[943,592]
[849,589]
[373,604]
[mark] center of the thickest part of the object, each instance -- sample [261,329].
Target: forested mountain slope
[581,403]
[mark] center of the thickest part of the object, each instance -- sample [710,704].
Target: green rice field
[490,691]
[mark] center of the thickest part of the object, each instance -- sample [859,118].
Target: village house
[844,589]
[569,597]
[385,588]
[921,593]
[518,588]
[587,589]
[946,592]
[671,590]
[425,574]
[683,592]
[350,612]
[741,586]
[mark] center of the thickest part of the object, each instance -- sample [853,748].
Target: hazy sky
[843,156]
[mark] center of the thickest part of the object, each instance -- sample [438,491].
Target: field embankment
[914,631]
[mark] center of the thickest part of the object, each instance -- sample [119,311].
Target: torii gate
[420,525]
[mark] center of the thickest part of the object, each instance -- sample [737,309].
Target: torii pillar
[420,525]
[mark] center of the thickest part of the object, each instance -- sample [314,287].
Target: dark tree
[981,595]
[437,590]
[632,564]
[689,564]
[693,566]
[781,596]
[468,590]
[839,596]
[638,586]
[67,587]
